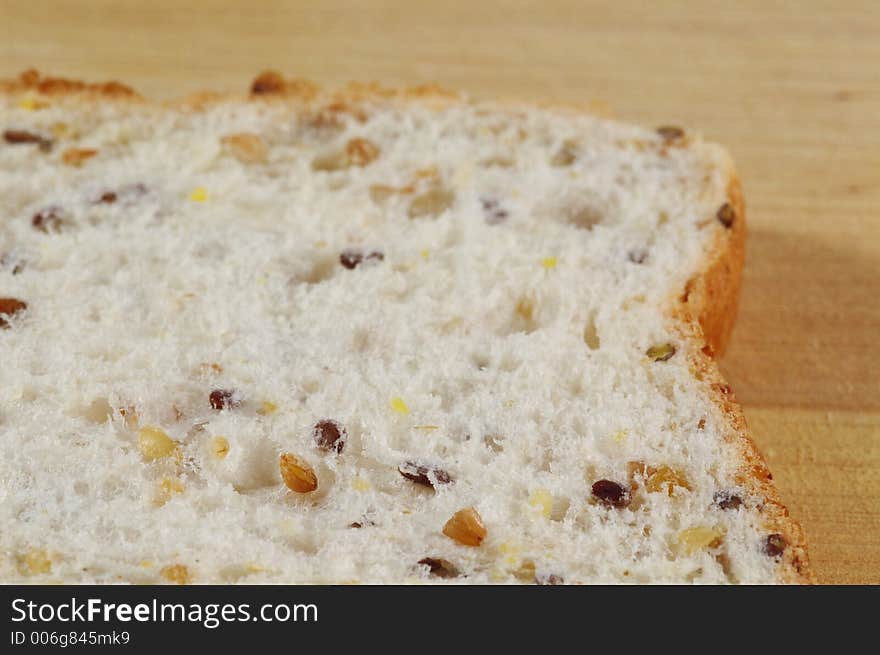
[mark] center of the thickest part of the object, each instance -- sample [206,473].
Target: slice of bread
[369,335]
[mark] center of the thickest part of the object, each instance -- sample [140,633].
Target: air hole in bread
[523,319]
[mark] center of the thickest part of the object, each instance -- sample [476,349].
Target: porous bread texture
[530,258]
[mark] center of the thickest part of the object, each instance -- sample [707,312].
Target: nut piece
[428,476]
[726,215]
[50,219]
[661,352]
[246,147]
[432,202]
[440,568]
[330,435]
[727,500]
[77,156]
[221,399]
[694,539]
[155,444]
[775,545]
[297,475]
[361,152]
[267,82]
[9,307]
[466,527]
[176,574]
[611,493]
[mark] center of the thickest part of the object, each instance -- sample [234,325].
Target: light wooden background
[793,88]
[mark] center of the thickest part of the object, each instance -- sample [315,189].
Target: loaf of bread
[369,336]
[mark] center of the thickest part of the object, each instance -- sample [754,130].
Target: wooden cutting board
[793,89]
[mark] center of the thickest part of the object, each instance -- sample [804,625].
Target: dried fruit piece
[697,538]
[666,479]
[23,137]
[611,493]
[297,474]
[221,399]
[77,156]
[727,500]
[9,307]
[246,147]
[726,215]
[775,545]
[670,132]
[466,527]
[155,444]
[432,202]
[107,198]
[661,352]
[399,405]
[330,435]
[267,82]
[361,152]
[440,568]
[430,476]
[50,219]
[176,574]
[351,258]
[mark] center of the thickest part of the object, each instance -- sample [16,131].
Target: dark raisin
[50,219]
[356,525]
[21,137]
[440,568]
[701,424]
[775,545]
[494,213]
[726,215]
[638,256]
[351,258]
[611,493]
[107,198]
[224,399]
[670,132]
[10,307]
[551,579]
[422,474]
[267,82]
[727,500]
[330,435]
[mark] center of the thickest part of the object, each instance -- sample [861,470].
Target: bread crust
[707,311]
[703,313]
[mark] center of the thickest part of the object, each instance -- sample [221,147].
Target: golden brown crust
[31,80]
[705,311]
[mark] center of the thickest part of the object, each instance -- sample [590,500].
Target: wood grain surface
[792,88]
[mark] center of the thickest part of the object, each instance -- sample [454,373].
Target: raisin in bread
[369,335]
